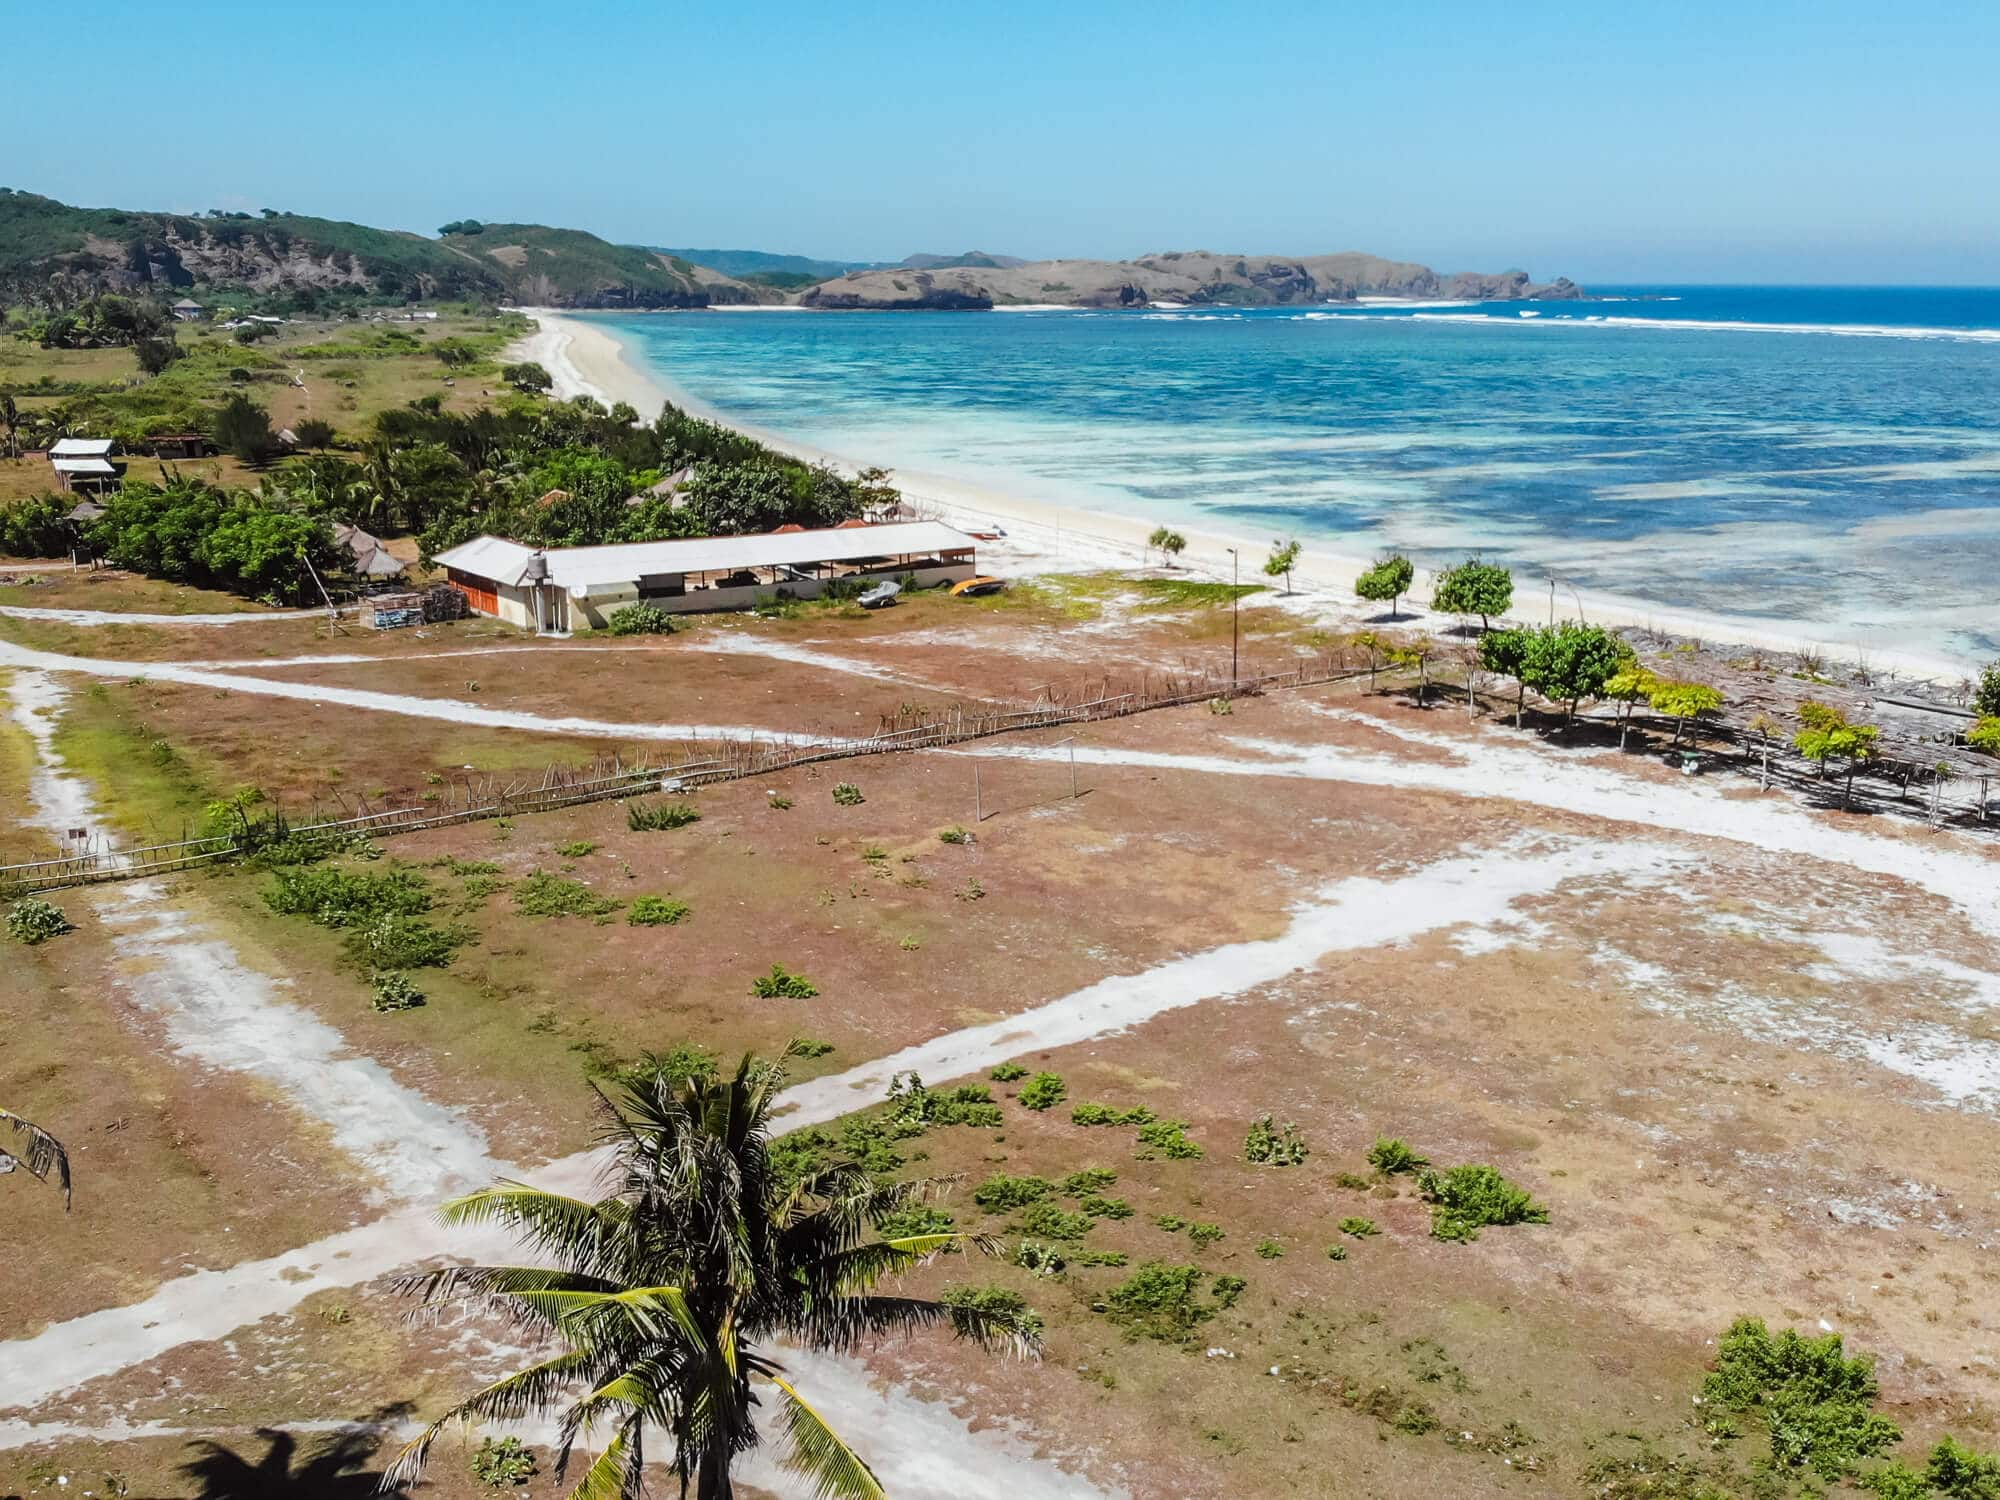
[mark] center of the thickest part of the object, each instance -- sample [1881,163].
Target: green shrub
[1962,1473]
[1359,1227]
[847,794]
[1167,1138]
[32,920]
[1465,1200]
[1000,1192]
[1041,1260]
[1336,1252]
[1816,1401]
[976,1308]
[655,817]
[805,1046]
[544,894]
[1100,1257]
[914,1109]
[657,911]
[1204,1235]
[913,1220]
[1106,1208]
[1159,1301]
[675,1066]
[341,898]
[782,984]
[639,619]
[1105,1114]
[503,1463]
[403,942]
[1088,1180]
[1227,1289]
[1007,1072]
[955,835]
[1270,1250]
[391,992]
[1043,1091]
[1051,1221]
[1266,1146]
[576,850]
[1172,1223]
[1391,1155]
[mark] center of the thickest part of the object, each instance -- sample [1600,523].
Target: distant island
[53,254]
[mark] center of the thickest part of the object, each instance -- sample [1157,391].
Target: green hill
[52,254]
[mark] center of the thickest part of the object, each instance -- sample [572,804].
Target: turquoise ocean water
[1826,456]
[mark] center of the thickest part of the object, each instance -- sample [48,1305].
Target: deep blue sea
[1826,456]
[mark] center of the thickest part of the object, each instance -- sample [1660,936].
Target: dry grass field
[1743,1052]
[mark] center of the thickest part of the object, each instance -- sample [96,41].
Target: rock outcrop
[1189,277]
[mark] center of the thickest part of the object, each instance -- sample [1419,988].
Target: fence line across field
[734,760]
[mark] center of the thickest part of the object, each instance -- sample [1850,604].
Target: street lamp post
[1234,599]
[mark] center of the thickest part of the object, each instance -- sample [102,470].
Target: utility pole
[1234,572]
[978,807]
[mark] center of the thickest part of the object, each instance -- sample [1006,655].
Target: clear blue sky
[1808,140]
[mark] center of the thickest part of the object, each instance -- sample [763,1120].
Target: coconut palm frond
[549,1221]
[45,1154]
[525,1393]
[835,1471]
[616,1473]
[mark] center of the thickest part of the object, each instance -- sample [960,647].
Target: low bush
[1167,1138]
[955,835]
[639,619]
[1007,1072]
[1336,1252]
[1051,1221]
[1159,1301]
[1359,1227]
[1204,1235]
[1043,1091]
[914,1108]
[404,942]
[1391,1155]
[675,1066]
[32,921]
[913,1220]
[1106,1208]
[805,1046]
[343,898]
[503,1463]
[1227,1289]
[1816,1400]
[1105,1114]
[1465,1200]
[1000,1192]
[1172,1223]
[576,850]
[847,794]
[975,1309]
[782,984]
[1039,1259]
[544,894]
[1088,1180]
[655,817]
[1269,1146]
[392,992]
[657,911]
[1270,1250]
[1100,1257]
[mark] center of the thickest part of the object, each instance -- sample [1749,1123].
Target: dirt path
[122,617]
[449,710]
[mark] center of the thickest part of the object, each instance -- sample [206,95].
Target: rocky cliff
[1196,277]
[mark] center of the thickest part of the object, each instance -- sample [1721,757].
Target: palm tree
[45,1153]
[667,1293]
[10,418]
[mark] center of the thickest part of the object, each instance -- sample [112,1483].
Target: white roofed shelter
[577,588]
[84,465]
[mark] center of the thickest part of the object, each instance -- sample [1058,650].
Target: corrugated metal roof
[80,448]
[96,467]
[579,569]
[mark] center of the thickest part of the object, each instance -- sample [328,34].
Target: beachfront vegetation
[1284,557]
[33,921]
[666,1297]
[1465,1200]
[1829,739]
[1985,735]
[1474,588]
[1986,696]
[1169,543]
[1569,662]
[1386,582]
[1683,701]
[1505,652]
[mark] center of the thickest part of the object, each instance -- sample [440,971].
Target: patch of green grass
[543,894]
[1274,1146]
[339,898]
[955,835]
[1051,1221]
[1270,1250]
[1001,1192]
[1105,1114]
[393,992]
[1359,1227]
[805,1046]
[1816,1401]
[1391,1155]
[847,794]
[978,1309]
[1099,1207]
[1167,1138]
[657,911]
[1192,593]
[1160,1301]
[1007,1072]
[576,850]
[1204,1235]
[656,817]
[1088,1180]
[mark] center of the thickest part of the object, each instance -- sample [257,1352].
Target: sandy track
[119,617]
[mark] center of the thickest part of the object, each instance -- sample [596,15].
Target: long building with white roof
[560,589]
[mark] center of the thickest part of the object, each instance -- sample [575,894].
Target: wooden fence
[719,761]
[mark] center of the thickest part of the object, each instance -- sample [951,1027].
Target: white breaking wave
[1720,325]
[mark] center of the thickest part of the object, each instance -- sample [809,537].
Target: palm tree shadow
[320,1466]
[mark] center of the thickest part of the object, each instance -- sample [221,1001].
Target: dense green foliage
[33,920]
[993,1302]
[1465,1200]
[543,894]
[1043,1091]
[1391,1154]
[104,322]
[1284,557]
[1474,588]
[1986,696]
[36,527]
[1274,1146]
[1386,582]
[1569,662]
[189,532]
[1815,1401]
[782,984]
[639,619]
[393,992]
[657,911]
[1106,1114]
[658,817]
[1828,738]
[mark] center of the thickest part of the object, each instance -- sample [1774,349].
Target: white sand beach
[584,358]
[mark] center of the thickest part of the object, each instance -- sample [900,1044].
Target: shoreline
[585,359]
